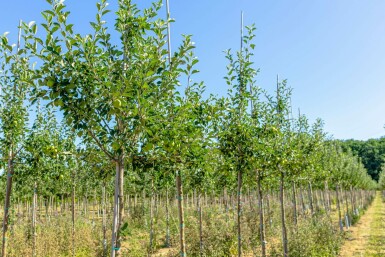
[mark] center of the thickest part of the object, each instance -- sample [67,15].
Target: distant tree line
[371,152]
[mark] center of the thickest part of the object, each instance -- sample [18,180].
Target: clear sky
[331,52]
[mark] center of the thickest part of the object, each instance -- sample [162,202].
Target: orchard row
[135,108]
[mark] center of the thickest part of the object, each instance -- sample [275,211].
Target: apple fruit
[117,103]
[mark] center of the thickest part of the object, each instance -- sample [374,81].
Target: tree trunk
[347,218]
[327,196]
[268,210]
[339,210]
[311,199]
[167,219]
[34,203]
[7,202]
[181,214]
[104,221]
[294,205]
[151,218]
[200,225]
[302,200]
[239,212]
[73,212]
[284,233]
[352,200]
[118,208]
[261,218]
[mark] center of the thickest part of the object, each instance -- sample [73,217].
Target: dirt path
[367,237]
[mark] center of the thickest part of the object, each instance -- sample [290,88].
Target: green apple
[50,83]
[115,145]
[117,103]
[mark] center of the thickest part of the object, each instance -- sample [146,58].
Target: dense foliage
[371,152]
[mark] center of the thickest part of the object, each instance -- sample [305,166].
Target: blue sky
[331,52]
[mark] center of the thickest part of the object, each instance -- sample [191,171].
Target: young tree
[14,82]
[107,92]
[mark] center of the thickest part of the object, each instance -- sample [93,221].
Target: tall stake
[168,31]
[179,190]
[282,193]
[239,190]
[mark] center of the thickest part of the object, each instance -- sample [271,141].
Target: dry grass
[367,238]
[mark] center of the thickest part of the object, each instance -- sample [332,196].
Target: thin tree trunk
[118,209]
[294,205]
[352,200]
[284,233]
[104,220]
[268,210]
[151,218]
[311,199]
[302,200]
[167,219]
[73,212]
[239,212]
[347,210]
[181,214]
[34,203]
[339,210]
[7,202]
[261,218]
[327,191]
[200,225]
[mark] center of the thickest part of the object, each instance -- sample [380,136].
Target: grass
[316,236]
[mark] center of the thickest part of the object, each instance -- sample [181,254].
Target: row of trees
[371,153]
[134,107]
